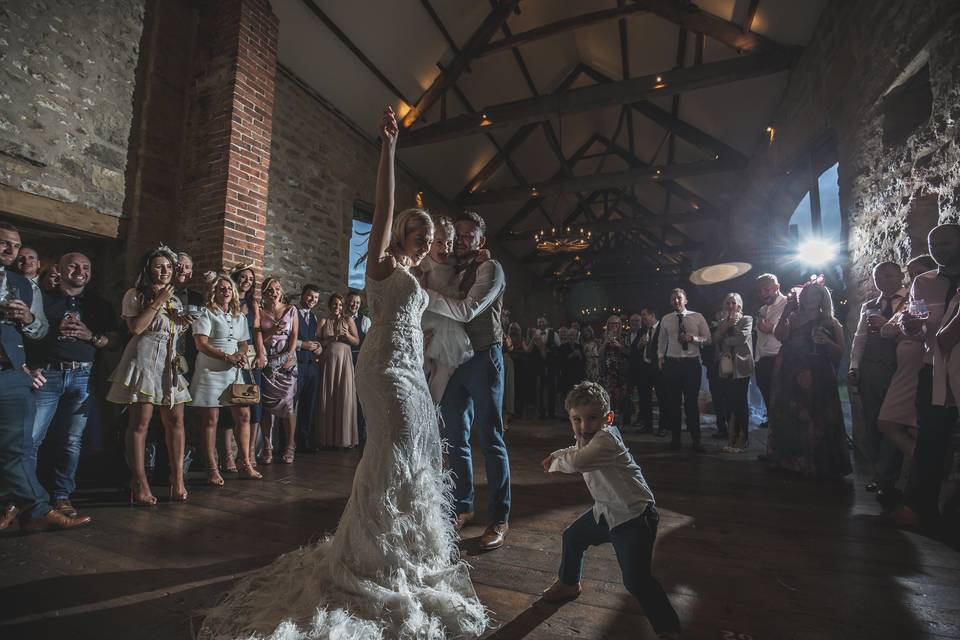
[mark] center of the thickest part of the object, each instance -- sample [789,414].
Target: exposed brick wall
[859,48]
[227,159]
[68,69]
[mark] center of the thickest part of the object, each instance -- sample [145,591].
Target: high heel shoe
[267,457]
[287,457]
[140,502]
[214,479]
[247,472]
[176,496]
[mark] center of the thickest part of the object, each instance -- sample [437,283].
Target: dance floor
[743,553]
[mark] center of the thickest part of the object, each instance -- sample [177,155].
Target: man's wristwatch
[95,340]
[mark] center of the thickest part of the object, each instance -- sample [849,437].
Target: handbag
[726,365]
[240,393]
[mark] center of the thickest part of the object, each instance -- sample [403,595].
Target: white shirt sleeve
[600,452]
[859,339]
[490,283]
[664,339]
[703,330]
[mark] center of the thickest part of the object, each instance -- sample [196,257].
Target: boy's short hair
[587,393]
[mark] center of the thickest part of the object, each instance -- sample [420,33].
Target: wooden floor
[742,553]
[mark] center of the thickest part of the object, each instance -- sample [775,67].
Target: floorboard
[742,552]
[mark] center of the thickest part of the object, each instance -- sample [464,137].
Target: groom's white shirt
[490,283]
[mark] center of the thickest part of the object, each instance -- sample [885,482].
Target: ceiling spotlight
[816,252]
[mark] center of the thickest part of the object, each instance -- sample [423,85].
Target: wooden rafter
[447,78]
[601,181]
[561,26]
[540,108]
[688,16]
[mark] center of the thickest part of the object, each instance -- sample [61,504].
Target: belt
[687,359]
[65,365]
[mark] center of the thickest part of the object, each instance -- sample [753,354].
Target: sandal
[149,501]
[287,457]
[214,479]
[247,472]
[267,457]
[179,496]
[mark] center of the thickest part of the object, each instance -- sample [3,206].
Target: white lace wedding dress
[391,570]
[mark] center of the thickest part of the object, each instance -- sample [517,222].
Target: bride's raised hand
[389,129]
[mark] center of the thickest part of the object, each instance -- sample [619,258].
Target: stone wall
[321,165]
[68,71]
[833,111]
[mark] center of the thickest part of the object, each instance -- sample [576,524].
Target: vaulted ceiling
[631,118]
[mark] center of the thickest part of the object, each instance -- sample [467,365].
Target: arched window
[818,214]
[359,239]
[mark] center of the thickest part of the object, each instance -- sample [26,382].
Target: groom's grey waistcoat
[484,330]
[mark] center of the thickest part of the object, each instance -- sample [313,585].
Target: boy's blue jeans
[633,544]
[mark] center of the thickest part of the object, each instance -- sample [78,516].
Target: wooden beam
[751,14]
[63,215]
[601,181]
[561,26]
[355,50]
[674,124]
[666,83]
[648,222]
[688,16]
[460,61]
[440,27]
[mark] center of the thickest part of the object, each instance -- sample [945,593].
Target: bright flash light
[816,252]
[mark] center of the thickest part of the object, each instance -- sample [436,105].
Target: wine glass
[8,295]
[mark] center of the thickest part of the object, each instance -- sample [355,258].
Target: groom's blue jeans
[474,397]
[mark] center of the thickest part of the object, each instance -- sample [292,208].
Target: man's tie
[886,307]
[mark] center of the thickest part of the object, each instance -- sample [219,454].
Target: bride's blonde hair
[405,222]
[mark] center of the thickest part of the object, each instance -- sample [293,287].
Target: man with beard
[21,317]
[474,395]
[767,346]
[81,324]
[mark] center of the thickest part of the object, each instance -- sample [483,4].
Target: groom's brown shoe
[494,536]
[53,521]
[560,592]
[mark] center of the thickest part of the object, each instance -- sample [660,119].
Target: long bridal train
[392,569]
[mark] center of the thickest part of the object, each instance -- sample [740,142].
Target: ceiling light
[721,272]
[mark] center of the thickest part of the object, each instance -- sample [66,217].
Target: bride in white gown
[392,569]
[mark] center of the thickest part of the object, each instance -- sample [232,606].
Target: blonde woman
[733,339]
[221,336]
[388,570]
[807,431]
[149,377]
[278,330]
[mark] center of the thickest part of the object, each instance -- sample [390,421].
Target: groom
[474,395]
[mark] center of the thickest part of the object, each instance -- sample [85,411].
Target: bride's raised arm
[380,264]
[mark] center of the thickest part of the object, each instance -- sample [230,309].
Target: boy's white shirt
[613,477]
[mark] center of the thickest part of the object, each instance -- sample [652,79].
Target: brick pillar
[223,195]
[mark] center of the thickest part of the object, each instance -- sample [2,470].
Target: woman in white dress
[221,336]
[392,569]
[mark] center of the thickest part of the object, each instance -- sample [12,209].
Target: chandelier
[566,240]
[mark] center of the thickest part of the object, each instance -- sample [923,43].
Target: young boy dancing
[624,513]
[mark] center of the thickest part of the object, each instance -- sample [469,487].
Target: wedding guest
[575,332]
[767,346]
[898,413]
[681,335]
[279,330]
[221,337]
[49,278]
[28,264]
[308,367]
[192,302]
[624,512]
[149,376]
[807,432]
[936,413]
[362,320]
[711,364]
[644,369]
[591,354]
[510,367]
[82,324]
[21,320]
[873,362]
[613,364]
[733,339]
[336,424]
[536,349]
[572,365]
[245,278]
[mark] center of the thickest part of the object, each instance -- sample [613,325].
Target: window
[819,215]
[359,239]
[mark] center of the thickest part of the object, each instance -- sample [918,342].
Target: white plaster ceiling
[399,37]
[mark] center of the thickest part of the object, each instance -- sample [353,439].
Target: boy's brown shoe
[561,592]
